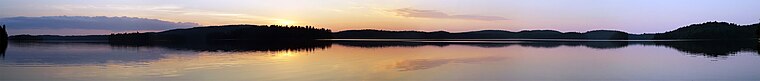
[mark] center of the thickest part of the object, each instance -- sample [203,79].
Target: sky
[82,17]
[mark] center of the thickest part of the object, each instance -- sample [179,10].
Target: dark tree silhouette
[606,34]
[712,30]
[708,30]
[756,26]
[269,33]
[539,34]
[3,41]
[132,38]
[3,34]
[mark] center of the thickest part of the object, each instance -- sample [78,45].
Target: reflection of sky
[421,64]
[452,62]
[78,54]
[636,16]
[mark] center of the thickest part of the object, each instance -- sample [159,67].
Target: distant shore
[274,33]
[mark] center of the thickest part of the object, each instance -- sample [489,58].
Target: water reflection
[3,47]
[361,60]
[420,64]
[100,52]
[231,46]
[712,48]
[702,48]
[59,53]
[78,53]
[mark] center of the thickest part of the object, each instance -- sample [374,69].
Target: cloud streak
[409,12]
[92,23]
[210,17]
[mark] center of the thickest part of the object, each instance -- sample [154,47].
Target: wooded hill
[708,30]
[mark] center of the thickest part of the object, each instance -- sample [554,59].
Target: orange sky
[635,16]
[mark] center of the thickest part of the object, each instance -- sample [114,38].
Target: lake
[360,60]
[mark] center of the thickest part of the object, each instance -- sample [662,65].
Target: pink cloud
[409,12]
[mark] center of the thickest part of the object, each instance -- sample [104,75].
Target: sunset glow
[285,22]
[634,16]
[379,40]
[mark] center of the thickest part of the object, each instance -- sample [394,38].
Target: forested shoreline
[707,30]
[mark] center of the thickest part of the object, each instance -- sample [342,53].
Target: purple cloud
[409,12]
[91,23]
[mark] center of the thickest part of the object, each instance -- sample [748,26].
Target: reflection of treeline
[704,48]
[232,45]
[228,32]
[57,37]
[712,48]
[486,34]
[536,44]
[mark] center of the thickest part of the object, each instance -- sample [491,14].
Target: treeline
[487,34]
[708,30]
[713,30]
[3,41]
[273,32]
[4,34]
[131,37]
[227,33]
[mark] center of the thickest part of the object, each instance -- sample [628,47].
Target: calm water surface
[383,61]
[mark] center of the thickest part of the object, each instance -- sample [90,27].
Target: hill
[228,32]
[708,30]
[712,30]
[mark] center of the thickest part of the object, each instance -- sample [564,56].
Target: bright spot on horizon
[286,22]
